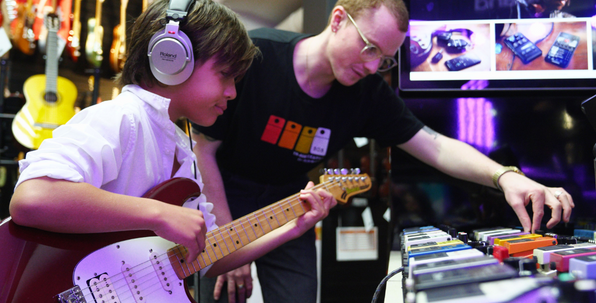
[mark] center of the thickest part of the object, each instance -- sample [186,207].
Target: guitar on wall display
[118,50]
[73,45]
[22,29]
[49,98]
[135,266]
[93,45]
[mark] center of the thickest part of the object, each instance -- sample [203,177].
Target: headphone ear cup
[171,57]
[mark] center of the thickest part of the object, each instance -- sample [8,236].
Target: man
[304,101]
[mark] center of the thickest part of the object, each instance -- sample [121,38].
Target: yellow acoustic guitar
[49,98]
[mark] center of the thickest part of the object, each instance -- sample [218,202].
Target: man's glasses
[371,52]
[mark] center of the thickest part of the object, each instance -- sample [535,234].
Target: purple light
[475,122]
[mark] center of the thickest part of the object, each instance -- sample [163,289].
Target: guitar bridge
[73,295]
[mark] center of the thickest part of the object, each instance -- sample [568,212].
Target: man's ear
[338,14]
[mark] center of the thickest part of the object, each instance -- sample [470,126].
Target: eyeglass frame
[384,59]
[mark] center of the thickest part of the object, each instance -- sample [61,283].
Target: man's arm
[205,150]
[462,161]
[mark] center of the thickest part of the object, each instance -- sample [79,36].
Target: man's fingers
[522,215]
[218,285]
[556,209]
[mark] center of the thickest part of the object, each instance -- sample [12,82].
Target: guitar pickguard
[124,272]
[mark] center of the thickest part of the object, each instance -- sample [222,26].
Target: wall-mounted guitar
[40,266]
[93,45]
[73,46]
[118,50]
[49,98]
[94,48]
[22,29]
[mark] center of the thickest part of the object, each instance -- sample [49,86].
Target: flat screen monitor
[499,45]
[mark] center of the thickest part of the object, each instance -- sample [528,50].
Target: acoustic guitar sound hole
[51,97]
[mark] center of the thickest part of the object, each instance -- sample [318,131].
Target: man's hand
[520,190]
[239,283]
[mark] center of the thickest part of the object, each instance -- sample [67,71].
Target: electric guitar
[74,35]
[118,50]
[93,45]
[49,98]
[22,29]
[135,266]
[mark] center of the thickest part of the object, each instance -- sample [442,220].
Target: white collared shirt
[125,146]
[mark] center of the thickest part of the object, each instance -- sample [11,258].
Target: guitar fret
[202,258]
[297,208]
[283,212]
[279,216]
[269,216]
[194,268]
[259,231]
[237,241]
[250,232]
[214,248]
[263,217]
[180,256]
[223,239]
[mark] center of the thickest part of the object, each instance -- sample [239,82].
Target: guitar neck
[76,23]
[123,20]
[52,61]
[237,234]
[98,4]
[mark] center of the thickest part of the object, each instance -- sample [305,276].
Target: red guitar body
[37,265]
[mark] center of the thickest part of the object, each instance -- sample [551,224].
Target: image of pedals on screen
[508,43]
[437,47]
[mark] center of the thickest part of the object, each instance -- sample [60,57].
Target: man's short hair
[396,7]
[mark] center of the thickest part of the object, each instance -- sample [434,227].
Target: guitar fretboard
[237,234]
[52,59]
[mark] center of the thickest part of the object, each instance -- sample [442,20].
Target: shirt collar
[161,104]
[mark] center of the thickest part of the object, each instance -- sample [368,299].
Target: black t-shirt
[273,132]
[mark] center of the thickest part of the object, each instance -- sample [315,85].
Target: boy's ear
[171,57]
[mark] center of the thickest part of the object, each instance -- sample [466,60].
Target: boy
[91,176]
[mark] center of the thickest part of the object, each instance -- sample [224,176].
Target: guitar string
[144,266]
[141,267]
[227,237]
[212,236]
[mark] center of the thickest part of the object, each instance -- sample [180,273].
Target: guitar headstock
[52,22]
[343,184]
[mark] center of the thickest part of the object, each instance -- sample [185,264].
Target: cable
[378,290]
[194,162]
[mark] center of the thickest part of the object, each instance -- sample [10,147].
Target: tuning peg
[355,171]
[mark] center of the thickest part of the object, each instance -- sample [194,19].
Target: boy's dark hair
[213,30]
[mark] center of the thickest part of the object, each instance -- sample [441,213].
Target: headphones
[170,51]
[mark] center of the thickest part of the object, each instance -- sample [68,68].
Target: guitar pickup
[102,289]
[160,271]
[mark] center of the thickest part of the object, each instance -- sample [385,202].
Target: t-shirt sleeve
[85,149]
[390,122]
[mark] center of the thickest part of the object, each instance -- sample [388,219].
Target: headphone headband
[170,52]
